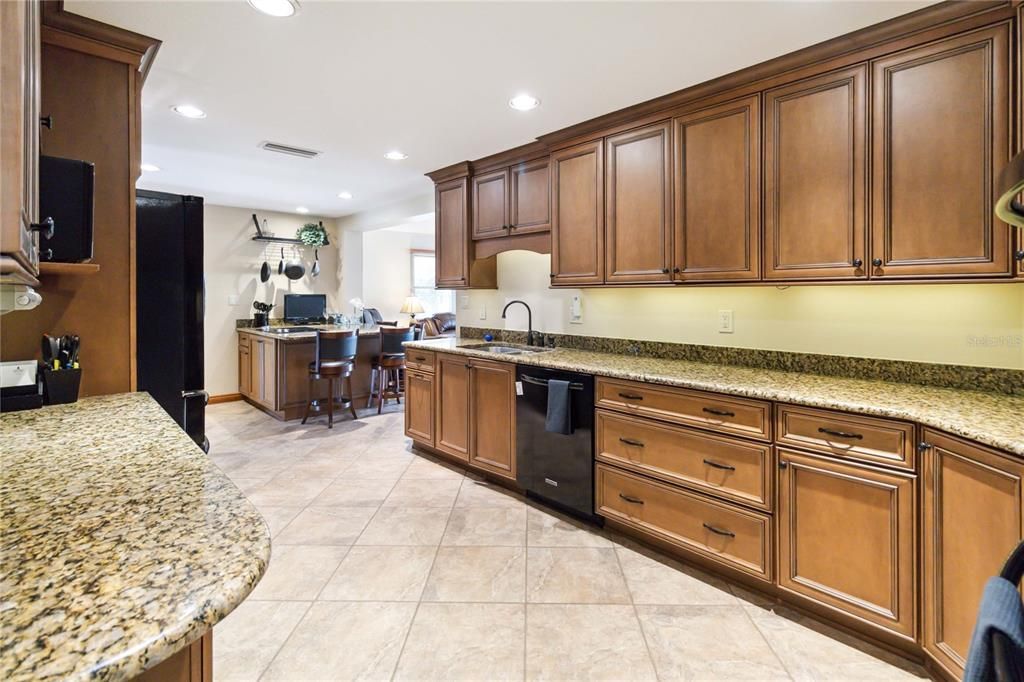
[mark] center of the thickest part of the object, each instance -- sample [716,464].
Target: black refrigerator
[169,306]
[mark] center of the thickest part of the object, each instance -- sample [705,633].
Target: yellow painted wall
[969,324]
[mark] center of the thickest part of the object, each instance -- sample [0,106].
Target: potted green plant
[312,234]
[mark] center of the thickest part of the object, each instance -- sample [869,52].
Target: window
[422,277]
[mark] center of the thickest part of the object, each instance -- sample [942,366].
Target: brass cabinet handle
[719,531]
[631,396]
[630,441]
[841,434]
[631,499]
[720,413]
[716,465]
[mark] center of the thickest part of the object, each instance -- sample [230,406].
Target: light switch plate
[576,310]
[233,299]
[483,311]
[725,322]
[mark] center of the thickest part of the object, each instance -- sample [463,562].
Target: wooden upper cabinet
[530,197]
[973,518]
[638,209]
[815,203]
[717,167]
[451,433]
[451,222]
[490,204]
[577,215]
[941,135]
[847,539]
[493,407]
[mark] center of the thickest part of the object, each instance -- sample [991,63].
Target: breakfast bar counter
[121,543]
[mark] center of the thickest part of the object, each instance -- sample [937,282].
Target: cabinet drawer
[869,439]
[726,467]
[421,360]
[738,416]
[243,341]
[721,532]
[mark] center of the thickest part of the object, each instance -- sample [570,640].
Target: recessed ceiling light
[344,195]
[149,168]
[524,102]
[395,155]
[188,111]
[275,8]
[301,209]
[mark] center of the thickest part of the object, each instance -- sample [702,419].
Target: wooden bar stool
[334,359]
[386,375]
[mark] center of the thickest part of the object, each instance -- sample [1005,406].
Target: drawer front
[737,416]
[718,531]
[726,467]
[421,360]
[873,440]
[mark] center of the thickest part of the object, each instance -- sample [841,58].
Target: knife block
[60,385]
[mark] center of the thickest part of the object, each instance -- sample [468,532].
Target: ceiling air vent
[288,149]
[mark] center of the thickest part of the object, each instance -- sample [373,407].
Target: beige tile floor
[389,565]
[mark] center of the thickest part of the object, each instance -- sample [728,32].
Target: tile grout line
[636,614]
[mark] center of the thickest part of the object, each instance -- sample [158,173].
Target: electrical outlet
[725,322]
[483,311]
[576,310]
[464,301]
[233,299]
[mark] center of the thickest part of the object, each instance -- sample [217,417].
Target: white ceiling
[356,79]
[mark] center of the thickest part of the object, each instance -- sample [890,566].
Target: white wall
[232,263]
[387,269]
[971,324]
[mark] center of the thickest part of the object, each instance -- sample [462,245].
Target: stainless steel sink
[504,348]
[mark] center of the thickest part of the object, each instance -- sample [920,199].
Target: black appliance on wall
[305,307]
[66,195]
[170,306]
[555,467]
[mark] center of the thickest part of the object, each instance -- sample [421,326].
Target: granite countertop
[120,541]
[992,419]
[361,330]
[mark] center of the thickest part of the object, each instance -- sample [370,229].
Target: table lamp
[411,306]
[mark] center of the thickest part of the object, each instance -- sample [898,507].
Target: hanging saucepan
[294,269]
[316,264]
[265,271]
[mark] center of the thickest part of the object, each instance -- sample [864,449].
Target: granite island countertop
[991,419]
[120,541]
[269,333]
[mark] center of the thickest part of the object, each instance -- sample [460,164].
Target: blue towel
[1000,611]
[559,416]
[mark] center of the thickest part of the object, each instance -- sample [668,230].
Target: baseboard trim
[224,398]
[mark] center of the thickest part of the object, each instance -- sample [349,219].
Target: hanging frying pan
[280,263]
[265,271]
[316,264]
[294,269]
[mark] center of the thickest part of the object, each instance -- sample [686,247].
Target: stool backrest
[335,345]
[392,338]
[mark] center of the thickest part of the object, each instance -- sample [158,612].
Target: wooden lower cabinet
[419,407]
[194,663]
[244,369]
[973,518]
[263,377]
[493,414]
[847,538]
[451,431]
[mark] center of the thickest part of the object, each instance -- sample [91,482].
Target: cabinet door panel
[847,538]
[490,205]
[492,397]
[941,135]
[972,521]
[419,407]
[530,203]
[244,372]
[638,213]
[452,427]
[451,222]
[815,135]
[717,193]
[577,218]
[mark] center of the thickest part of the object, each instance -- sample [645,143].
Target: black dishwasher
[555,467]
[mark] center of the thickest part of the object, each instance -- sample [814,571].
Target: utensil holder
[259,319]
[60,385]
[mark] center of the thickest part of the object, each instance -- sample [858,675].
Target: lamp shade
[411,306]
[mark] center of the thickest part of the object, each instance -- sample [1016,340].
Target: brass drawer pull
[631,499]
[719,531]
[630,441]
[840,434]
[716,465]
[720,413]
[631,396]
